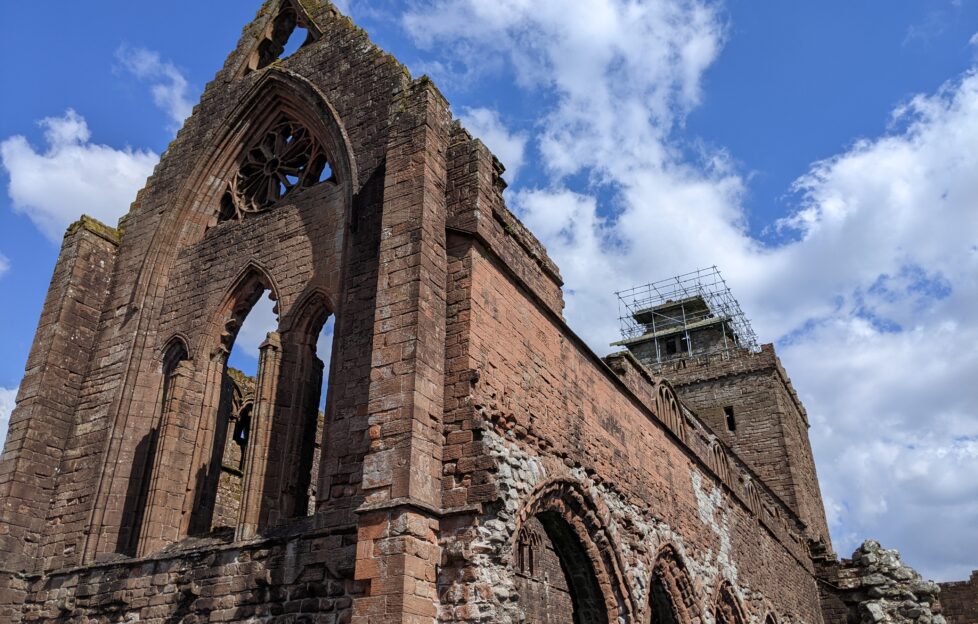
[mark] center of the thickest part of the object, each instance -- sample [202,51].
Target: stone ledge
[96,227]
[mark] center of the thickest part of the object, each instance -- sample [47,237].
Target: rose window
[286,158]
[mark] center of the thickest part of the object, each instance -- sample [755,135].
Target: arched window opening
[555,578]
[298,430]
[313,442]
[671,598]
[285,36]
[282,470]
[220,490]
[283,159]
[661,605]
[727,608]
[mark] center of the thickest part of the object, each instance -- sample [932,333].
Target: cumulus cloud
[509,147]
[72,175]
[168,85]
[871,298]
[4,264]
[8,396]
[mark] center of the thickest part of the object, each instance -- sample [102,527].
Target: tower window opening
[728,413]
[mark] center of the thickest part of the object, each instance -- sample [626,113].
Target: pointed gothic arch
[288,431]
[174,363]
[181,227]
[280,104]
[279,26]
[588,558]
[669,409]
[672,597]
[719,461]
[727,608]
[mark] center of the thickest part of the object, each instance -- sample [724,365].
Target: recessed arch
[719,461]
[177,236]
[726,606]
[177,348]
[672,596]
[669,409]
[586,550]
[309,313]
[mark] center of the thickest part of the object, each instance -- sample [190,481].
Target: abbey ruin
[475,461]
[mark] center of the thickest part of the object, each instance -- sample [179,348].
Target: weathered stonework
[875,586]
[476,461]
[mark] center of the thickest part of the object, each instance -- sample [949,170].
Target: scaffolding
[685,305]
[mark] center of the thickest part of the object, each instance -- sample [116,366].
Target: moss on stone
[111,234]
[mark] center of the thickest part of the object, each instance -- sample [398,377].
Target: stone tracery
[286,157]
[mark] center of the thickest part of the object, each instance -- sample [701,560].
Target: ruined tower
[691,330]
[475,460]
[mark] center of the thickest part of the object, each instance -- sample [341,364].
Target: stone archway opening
[671,596]
[555,576]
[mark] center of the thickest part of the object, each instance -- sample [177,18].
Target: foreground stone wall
[875,586]
[298,578]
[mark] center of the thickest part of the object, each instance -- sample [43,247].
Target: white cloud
[4,264]
[974,39]
[509,147]
[168,85]
[8,397]
[873,298]
[72,176]
[256,327]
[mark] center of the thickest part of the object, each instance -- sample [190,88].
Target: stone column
[254,494]
[397,551]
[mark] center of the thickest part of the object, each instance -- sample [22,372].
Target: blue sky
[822,154]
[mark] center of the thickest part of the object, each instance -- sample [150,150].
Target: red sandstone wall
[959,601]
[41,423]
[294,579]
[548,401]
